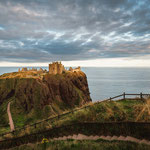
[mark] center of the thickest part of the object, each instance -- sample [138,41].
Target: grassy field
[110,111]
[84,145]
[124,110]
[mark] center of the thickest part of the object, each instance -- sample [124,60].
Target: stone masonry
[56,68]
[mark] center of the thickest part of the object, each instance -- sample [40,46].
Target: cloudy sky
[84,32]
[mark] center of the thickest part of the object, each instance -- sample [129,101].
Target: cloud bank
[43,30]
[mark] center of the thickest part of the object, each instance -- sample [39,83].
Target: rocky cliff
[41,98]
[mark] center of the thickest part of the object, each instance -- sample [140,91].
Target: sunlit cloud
[75,31]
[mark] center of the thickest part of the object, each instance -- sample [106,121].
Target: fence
[141,95]
[138,130]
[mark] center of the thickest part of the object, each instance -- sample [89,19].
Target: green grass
[4,129]
[102,112]
[85,145]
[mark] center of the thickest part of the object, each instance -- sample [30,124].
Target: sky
[103,33]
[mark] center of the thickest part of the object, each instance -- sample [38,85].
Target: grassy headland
[34,100]
[109,111]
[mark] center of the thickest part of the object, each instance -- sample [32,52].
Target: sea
[108,82]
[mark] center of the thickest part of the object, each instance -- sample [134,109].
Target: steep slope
[99,144]
[34,99]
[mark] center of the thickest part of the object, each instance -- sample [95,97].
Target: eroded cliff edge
[36,98]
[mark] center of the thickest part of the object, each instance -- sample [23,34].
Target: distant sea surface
[109,82]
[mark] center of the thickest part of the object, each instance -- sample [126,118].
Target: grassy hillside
[35,99]
[111,111]
[85,145]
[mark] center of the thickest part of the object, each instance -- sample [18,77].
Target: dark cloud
[43,30]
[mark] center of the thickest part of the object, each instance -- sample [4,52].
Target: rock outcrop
[54,92]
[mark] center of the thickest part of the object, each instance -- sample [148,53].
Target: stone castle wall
[75,70]
[30,70]
[56,68]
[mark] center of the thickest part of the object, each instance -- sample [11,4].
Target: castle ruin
[56,68]
[30,70]
[75,70]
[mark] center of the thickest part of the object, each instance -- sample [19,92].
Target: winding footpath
[12,128]
[109,138]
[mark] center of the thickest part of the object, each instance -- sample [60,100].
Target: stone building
[56,68]
[24,69]
[71,69]
[75,70]
[34,69]
[41,69]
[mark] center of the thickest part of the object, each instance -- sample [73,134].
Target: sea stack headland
[40,93]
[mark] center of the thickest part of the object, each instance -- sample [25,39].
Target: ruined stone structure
[24,69]
[34,69]
[40,69]
[30,70]
[56,68]
[71,69]
[75,70]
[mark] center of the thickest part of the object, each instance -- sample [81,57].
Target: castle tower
[56,68]
[24,69]
[59,68]
[50,68]
[53,68]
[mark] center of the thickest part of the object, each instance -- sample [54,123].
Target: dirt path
[12,128]
[110,138]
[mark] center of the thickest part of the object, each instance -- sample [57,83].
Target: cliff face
[54,93]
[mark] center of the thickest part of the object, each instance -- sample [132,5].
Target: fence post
[124,96]
[141,96]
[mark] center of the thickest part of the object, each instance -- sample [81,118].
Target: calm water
[108,82]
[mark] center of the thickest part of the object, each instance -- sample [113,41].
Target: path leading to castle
[11,123]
